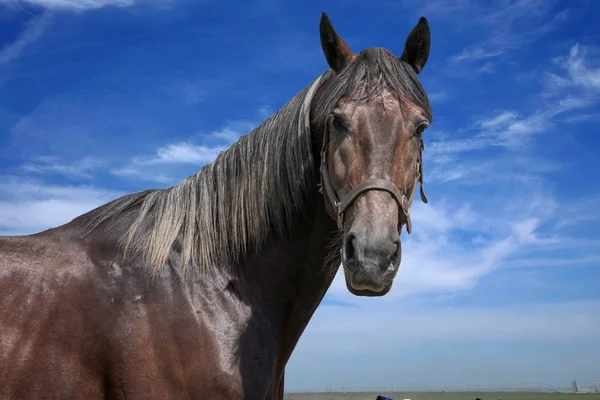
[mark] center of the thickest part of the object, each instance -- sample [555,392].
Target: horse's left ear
[416,48]
[337,52]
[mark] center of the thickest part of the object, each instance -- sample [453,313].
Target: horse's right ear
[416,47]
[336,51]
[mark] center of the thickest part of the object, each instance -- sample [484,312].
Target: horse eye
[420,129]
[337,122]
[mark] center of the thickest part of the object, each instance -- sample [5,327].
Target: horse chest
[206,345]
[244,347]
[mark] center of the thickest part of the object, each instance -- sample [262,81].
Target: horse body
[75,323]
[203,289]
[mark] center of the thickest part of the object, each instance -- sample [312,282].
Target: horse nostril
[396,247]
[349,247]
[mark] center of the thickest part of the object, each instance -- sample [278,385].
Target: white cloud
[47,164]
[265,111]
[139,173]
[71,5]
[437,97]
[34,29]
[461,238]
[476,53]
[160,166]
[511,24]
[185,153]
[170,164]
[191,92]
[570,95]
[507,129]
[579,211]
[581,72]
[232,130]
[525,232]
[455,243]
[28,206]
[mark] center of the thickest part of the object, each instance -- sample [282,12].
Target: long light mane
[258,187]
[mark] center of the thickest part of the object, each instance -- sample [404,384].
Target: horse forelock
[372,73]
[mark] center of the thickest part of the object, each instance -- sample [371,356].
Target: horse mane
[256,188]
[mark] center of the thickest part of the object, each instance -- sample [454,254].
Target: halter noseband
[340,207]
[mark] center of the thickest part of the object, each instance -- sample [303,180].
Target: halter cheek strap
[340,207]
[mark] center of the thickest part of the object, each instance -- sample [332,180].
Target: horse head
[369,117]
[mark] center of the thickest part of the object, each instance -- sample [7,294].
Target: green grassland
[445,396]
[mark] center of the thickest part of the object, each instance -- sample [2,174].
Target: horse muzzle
[370,262]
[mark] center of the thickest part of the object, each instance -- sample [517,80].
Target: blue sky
[500,280]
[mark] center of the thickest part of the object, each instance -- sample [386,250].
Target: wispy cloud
[184,153]
[510,25]
[581,72]
[476,54]
[45,165]
[165,165]
[176,154]
[568,97]
[579,211]
[265,112]
[70,5]
[34,28]
[457,241]
[28,206]
[232,130]
[190,91]
[193,94]
[507,129]
[437,97]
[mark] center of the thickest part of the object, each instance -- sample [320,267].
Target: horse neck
[299,266]
[293,276]
[291,266]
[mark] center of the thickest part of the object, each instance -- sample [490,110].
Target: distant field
[445,396]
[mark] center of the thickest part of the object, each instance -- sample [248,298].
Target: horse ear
[337,52]
[416,48]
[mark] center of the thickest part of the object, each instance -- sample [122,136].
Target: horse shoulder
[53,324]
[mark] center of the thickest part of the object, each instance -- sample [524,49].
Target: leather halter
[340,207]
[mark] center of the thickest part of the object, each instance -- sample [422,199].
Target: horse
[202,289]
